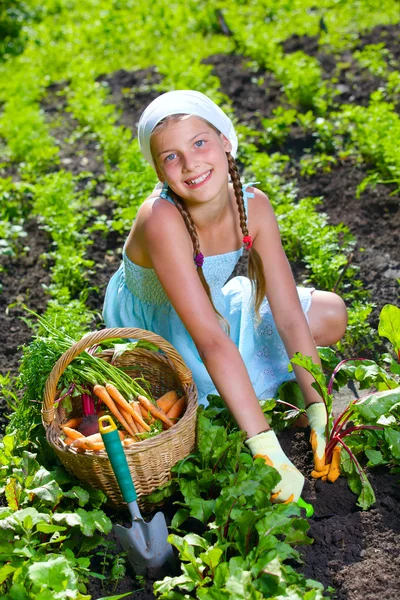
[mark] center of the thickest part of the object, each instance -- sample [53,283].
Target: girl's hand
[317,418]
[265,445]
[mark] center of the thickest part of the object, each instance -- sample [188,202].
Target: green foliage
[28,139]
[374,433]
[278,128]
[13,14]
[374,57]
[248,544]
[375,131]
[49,533]
[300,76]
[389,326]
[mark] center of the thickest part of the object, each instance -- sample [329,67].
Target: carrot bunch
[137,418]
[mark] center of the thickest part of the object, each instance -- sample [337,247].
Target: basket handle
[88,340]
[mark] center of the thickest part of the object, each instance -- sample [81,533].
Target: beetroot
[89,425]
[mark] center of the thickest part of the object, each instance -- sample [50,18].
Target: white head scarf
[185,102]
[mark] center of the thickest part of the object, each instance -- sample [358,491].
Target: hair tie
[199,259]
[247,241]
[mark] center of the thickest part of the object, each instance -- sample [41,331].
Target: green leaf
[71,519]
[179,517]
[290,392]
[18,592]
[389,325]
[358,481]
[55,573]
[392,437]
[320,384]
[212,556]
[79,493]
[212,440]
[377,404]
[48,528]
[95,519]
[201,509]
[117,597]
[195,540]
[190,489]
[5,571]
[213,594]
[169,583]
[221,574]
[367,495]
[374,457]
[12,493]
[29,517]
[49,492]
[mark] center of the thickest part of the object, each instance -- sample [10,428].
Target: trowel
[146,543]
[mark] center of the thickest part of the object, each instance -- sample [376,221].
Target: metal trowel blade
[146,543]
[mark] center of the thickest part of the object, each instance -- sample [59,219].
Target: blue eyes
[198,144]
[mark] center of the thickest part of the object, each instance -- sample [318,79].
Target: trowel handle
[117,457]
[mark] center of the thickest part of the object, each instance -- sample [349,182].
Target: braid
[190,226]
[255,266]
[237,188]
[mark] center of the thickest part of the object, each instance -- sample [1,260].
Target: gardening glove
[265,445]
[317,418]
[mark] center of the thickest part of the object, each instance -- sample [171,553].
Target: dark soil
[355,552]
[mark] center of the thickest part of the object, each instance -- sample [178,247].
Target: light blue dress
[135,298]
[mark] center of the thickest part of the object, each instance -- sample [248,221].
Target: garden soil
[354,552]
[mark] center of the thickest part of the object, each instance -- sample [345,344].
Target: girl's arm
[171,252]
[281,291]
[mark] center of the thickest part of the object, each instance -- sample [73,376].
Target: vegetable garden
[314,91]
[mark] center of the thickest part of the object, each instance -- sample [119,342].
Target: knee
[328,318]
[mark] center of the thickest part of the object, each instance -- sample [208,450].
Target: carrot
[167,401]
[96,446]
[128,442]
[81,444]
[104,396]
[177,409]
[127,415]
[93,442]
[74,423]
[68,441]
[120,400]
[136,407]
[146,415]
[72,433]
[158,413]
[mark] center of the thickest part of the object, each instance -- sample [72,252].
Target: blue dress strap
[246,194]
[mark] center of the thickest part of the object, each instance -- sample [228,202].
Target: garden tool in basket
[146,543]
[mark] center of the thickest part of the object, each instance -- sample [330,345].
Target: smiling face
[191,156]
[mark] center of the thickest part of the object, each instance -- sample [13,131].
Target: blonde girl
[236,336]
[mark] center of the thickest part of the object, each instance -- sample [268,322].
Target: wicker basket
[151,460]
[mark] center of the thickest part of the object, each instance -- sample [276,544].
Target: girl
[236,337]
